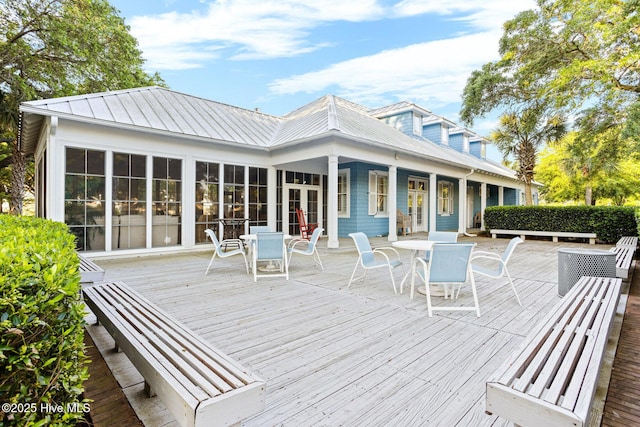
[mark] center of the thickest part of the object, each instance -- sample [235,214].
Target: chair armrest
[387,248]
[492,258]
[484,254]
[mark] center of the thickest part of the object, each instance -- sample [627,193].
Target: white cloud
[428,73]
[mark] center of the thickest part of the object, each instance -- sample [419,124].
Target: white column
[501,196]
[483,201]
[272,197]
[332,203]
[393,203]
[462,205]
[433,201]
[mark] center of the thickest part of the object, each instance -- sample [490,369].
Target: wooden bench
[90,272]
[200,385]
[624,260]
[554,234]
[552,378]
[631,241]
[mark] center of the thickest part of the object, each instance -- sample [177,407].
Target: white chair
[449,265]
[217,251]
[270,247]
[500,262]
[367,258]
[307,247]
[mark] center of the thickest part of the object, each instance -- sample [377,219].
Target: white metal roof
[160,109]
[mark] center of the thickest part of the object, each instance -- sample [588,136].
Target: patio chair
[403,222]
[368,260]
[306,230]
[442,237]
[449,265]
[307,247]
[477,220]
[270,247]
[254,229]
[218,251]
[500,262]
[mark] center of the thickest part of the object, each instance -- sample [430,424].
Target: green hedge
[42,360]
[608,222]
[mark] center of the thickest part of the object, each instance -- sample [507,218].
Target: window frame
[344,174]
[376,199]
[445,202]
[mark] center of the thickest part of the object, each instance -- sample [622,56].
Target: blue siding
[456,142]
[475,148]
[402,122]
[433,132]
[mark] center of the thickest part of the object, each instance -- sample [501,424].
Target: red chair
[306,230]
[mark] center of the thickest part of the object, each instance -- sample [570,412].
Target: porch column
[483,202]
[501,196]
[332,203]
[272,198]
[393,203]
[462,205]
[433,201]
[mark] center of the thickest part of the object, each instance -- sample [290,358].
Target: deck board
[333,355]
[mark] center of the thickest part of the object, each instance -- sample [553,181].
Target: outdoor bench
[624,259]
[628,241]
[552,378]
[200,385]
[554,234]
[90,272]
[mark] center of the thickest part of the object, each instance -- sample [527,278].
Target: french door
[418,198]
[305,197]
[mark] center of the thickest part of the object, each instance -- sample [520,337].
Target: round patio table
[414,246]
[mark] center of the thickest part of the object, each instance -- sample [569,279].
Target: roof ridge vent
[332,117]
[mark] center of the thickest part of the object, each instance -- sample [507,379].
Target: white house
[149,169]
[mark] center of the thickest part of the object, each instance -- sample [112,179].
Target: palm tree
[521,135]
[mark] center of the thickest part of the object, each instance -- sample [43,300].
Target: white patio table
[414,246]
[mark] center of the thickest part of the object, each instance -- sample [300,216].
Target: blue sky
[278,55]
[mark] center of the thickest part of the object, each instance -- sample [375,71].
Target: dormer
[403,116]
[478,147]
[436,128]
[459,138]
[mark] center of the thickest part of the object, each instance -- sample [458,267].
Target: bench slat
[624,259]
[90,272]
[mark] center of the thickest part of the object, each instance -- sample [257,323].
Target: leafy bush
[42,360]
[609,223]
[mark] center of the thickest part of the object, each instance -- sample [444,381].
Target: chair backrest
[400,215]
[315,236]
[213,237]
[364,247]
[443,236]
[254,229]
[508,251]
[269,245]
[449,262]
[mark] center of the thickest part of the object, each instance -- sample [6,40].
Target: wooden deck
[337,356]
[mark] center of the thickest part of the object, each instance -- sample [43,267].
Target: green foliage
[609,223]
[42,357]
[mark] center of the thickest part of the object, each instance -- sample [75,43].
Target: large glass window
[84,197]
[129,201]
[445,198]
[343,193]
[257,196]
[378,193]
[233,191]
[207,199]
[167,202]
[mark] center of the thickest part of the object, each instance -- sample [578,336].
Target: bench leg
[148,390]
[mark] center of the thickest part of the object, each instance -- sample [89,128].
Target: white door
[470,197]
[417,201]
[303,197]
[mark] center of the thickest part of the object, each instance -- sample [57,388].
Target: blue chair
[442,237]
[500,262]
[307,247]
[367,258]
[270,247]
[217,251]
[254,229]
[449,265]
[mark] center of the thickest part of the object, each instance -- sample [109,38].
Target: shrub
[42,360]
[609,223]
